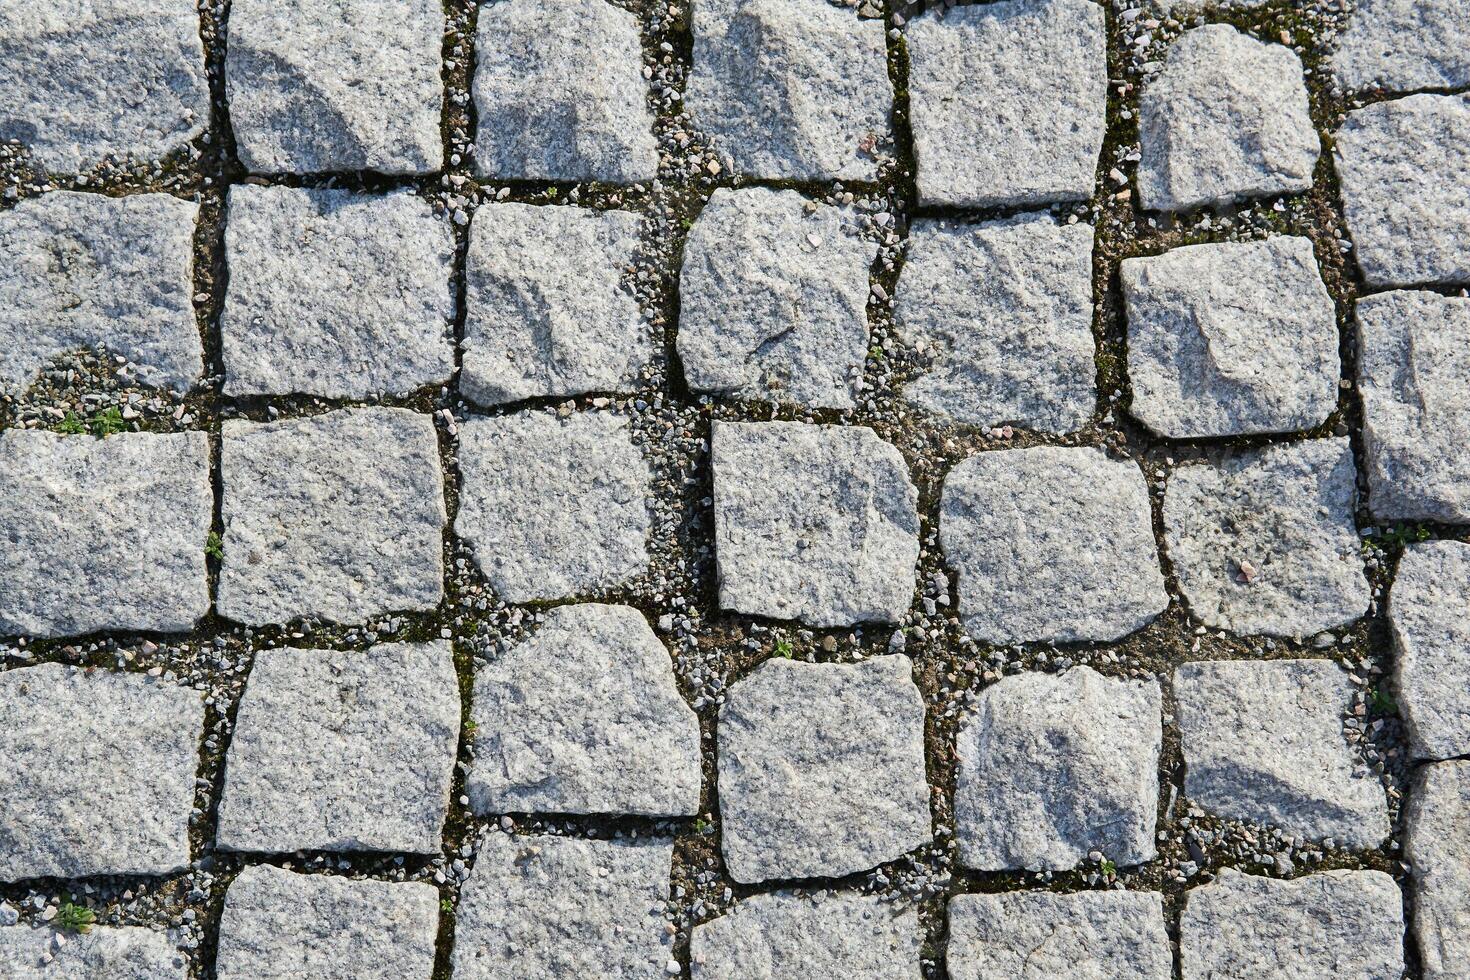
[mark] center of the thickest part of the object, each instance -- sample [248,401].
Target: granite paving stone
[101,953]
[119,803]
[821,769]
[1003,312]
[1404,45]
[1427,606]
[1437,848]
[817,523]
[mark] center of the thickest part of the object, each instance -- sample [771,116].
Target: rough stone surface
[1226,119]
[1437,846]
[1427,607]
[1402,166]
[1263,741]
[1403,45]
[817,523]
[1230,338]
[278,925]
[774,937]
[549,908]
[1347,925]
[773,299]
[548,314]
[102,953]
[1008,102]
[90,79]
[1051,544]
[790,89]
[342,751]
[338,516]
[334,85]
[1414,377]
[821,769]
[554,508]
[560,93]
[103,534]
[585,717]
[1053,767]
[335,294]
[120,803]
[1114,935]
[81,270]
[1264,541]
[1004,311]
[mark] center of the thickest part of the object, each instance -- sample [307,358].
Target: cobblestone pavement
[734,489]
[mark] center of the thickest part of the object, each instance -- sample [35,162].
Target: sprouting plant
[446,905]
[72,424]
[1395,537]
[75,918]
[1381,702]
[108,423]
[1108,868]
[551,193]
[214,546]
[784,649]
[875,352]
[471,728]
[701,825]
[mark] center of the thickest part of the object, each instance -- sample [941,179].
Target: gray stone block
[1403,45]
[101,953]
[1437,848]
[1427,607]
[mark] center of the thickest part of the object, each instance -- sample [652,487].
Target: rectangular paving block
[1437,848]
[1033,935]
[100,953]
[855,937]
[1431,633]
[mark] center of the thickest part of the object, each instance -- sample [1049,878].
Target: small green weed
[71,425]
[1381,702]
[784,649]
[1393,538]
[446,905]
[75,918]
[1108,868]
[471,729]
[214,546]
[108,423]
[701,825]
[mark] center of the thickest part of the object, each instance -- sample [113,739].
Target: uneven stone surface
[1051,544]
[554,508]
[548,314]
[285,926]
[773,299]
[90,79]
[342,751]
[560,93]
[119,803]
[821,769]
[548,908]
[1414,377]
[103,534]
[817,523]
[1226,119]
[1264,541]
[1263,741]
[1004,311]
[1402,166]
[336,294]
[1403,45]
[334,85]
[1053,767]
[1427,607]
[338,516]
[1008,102]
[102,953]
[855,937]
[790,89]
[1437,847]
[78,271]
[1113,935]
[1230,338]
[1343,924]
[584,717]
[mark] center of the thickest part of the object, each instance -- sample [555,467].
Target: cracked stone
[335,294]
[1054,767]
[790,89]
[337,516]
[103,534]
[1263,741]
[817,523]
[548,314]
[585,717]
[79,271]
[1227,119]
[773,299]
[1437,846]
[120,804]
[554,508]
[1051,544]
[1431,592]
[549,908]
[100,953]
[1009,102]
[1414,376]
[1264,541]
[1231,338]
[336,85]
[560,93]
[1004,311]
[342,751]
[1403,45]
[821,769]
